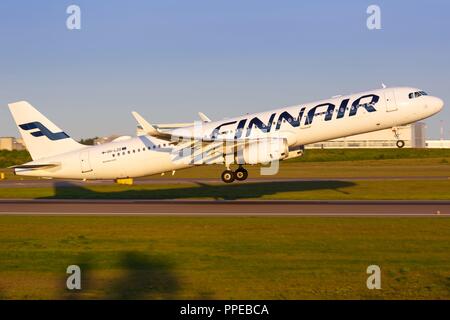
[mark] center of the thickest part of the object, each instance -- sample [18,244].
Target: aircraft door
[85,163]
[391,105]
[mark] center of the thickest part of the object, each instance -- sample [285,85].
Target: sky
[170,59]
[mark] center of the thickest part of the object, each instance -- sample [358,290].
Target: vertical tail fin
[41,136]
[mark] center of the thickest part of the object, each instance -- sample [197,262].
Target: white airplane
[246,140]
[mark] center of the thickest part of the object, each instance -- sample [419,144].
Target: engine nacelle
[262,151]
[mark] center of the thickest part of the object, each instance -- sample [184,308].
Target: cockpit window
[417,94]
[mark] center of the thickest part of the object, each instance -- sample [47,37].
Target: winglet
[148,128]
[204,117]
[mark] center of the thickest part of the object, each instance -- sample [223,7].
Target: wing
[191,150]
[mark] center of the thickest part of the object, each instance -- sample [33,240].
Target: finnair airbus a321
[246,140]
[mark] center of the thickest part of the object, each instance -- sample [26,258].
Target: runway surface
[227,208]
[40,183]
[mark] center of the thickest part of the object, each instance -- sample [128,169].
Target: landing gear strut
[228,176]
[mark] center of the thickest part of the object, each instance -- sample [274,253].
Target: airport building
[106,139]
[11,143]
[438,144]
[409,136]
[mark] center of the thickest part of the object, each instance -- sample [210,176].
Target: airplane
[250,139]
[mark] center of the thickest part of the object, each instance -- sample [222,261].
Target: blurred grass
[224,257]
[283,190]
[325,155]
[11,158]
[315,163]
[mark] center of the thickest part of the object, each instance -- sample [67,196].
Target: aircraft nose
[436,103]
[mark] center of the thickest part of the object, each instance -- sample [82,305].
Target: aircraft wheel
[228,176]
[400,144]
[241,174]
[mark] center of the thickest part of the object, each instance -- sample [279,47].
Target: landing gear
[228,176]
[400,144]
[241,174]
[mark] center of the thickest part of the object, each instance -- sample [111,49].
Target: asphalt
[226,208]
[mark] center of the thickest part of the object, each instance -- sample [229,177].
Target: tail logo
[42,131]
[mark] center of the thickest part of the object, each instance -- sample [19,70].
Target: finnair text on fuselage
[327,109]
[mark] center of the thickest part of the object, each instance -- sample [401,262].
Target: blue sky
[169,59]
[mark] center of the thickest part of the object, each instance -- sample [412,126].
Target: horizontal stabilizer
[35,166]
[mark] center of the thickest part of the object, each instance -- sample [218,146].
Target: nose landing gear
[399,143]
[228,176]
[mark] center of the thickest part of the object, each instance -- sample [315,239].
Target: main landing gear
[228,176]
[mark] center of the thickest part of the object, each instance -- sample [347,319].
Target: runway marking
[222,214]
[273,208]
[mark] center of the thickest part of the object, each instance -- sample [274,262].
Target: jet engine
[262,151]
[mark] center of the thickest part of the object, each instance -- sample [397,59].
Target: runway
[42,183]
[227,208]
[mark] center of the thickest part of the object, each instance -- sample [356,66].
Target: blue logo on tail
[42,131]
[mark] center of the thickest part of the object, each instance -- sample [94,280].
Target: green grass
[11,158]
[325,155]
[286,190]
[224,257]
[337,169]
[333,163]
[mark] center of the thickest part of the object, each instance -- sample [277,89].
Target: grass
[326,155]
[333,169]
[11,158]
[224,257]
[286,190]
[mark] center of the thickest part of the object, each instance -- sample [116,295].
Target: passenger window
[411,95]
